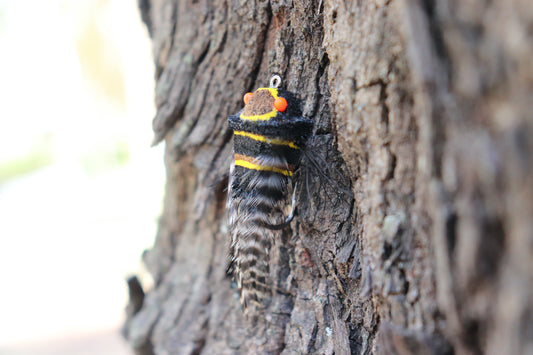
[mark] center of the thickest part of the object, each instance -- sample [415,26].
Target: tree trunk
[423,106]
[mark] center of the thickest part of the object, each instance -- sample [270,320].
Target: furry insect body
[267,150]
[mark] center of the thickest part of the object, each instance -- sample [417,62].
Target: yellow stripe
[260,138]
[265,116]
[252,166]
[237,156]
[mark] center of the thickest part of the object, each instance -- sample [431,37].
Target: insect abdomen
[257,198]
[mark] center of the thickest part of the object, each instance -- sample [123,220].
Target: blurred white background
[80,188]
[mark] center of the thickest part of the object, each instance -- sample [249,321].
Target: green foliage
[21,166]
[106,157]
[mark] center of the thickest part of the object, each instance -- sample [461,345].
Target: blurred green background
[80,187]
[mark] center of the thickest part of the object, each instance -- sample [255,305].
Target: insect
[269,135]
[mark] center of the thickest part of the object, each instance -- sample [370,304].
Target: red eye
[247,97]
[280,104]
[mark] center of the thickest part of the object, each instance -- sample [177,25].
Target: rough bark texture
[425,106]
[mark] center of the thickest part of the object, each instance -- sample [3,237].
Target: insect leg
[289,218]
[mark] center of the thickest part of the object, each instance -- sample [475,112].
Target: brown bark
[425,106]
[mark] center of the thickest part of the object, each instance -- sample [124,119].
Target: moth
[269,136]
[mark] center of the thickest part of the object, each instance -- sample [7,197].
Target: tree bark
[422,108]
